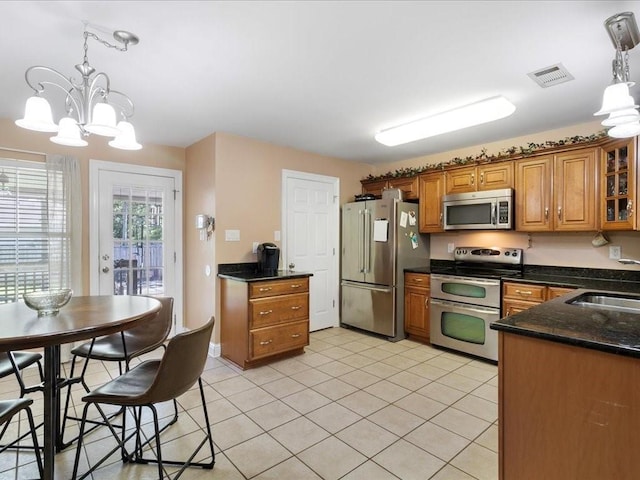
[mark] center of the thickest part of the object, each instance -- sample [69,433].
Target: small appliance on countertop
[268,258]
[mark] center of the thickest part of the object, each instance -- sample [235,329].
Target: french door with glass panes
[136,242]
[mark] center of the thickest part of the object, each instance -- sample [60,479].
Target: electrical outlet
[450,247]
[255,247]
[614,252]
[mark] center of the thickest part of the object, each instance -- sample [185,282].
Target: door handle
[105,269]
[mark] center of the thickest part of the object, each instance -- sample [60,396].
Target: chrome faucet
[629,261]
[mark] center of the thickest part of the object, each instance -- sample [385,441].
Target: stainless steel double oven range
[466,298]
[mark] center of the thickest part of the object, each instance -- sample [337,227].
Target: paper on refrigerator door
[380,230]
[403,219]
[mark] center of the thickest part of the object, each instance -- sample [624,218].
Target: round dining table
[81,319]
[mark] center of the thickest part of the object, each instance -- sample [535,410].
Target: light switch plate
[232,235]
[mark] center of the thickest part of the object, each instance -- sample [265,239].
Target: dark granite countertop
[423,269]
[597,328]
[248,272]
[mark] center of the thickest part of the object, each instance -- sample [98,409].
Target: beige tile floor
[351,407]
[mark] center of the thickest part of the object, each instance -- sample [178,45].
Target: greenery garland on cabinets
[503,154]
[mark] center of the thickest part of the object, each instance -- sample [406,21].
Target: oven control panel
[502,255]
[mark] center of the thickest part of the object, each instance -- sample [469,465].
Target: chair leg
[69,382]
[120,442]
[15,444]
[36,447]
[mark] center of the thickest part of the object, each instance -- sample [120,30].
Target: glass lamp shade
[37,116]
[621,116]
[103,121]
[625,130]
[126,139]
[69,134]
[616,97]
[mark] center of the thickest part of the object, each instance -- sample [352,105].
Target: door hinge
[175,257]
[334,303]
[175,194]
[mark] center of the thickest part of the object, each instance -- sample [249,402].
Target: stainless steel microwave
[487,210]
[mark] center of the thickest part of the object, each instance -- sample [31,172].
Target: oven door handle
[460,306]
[465,280]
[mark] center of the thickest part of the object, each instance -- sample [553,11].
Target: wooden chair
[147,384]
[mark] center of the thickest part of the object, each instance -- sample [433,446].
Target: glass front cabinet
[618,187]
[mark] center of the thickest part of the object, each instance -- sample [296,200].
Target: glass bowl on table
[48,302]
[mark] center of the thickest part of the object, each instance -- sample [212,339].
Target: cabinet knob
[266,342]
[296,285]
[266,312]
[296,307]
[265,289]
[295,335]
[482,178]
[559,213]
[473,179]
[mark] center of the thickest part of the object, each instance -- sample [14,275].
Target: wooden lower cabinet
[517,297]
[263,320]
[416,306]
[566,412]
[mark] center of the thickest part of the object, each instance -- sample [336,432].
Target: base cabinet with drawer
[416,306]
[517,297]
[263,320]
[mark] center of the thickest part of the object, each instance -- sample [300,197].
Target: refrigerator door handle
[367,241]
[361,214]
[346,283]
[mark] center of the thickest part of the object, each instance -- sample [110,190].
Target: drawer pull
[266,342]
[265,289]
[417,280]
[296,285]
[296,307]
[524,292]
[295,335]
[266,312]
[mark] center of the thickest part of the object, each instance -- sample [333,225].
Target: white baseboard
[214,350]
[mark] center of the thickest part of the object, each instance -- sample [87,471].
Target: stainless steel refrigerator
[380,238]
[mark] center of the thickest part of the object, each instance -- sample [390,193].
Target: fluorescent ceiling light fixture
[484,111]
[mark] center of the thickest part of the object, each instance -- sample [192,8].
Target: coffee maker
[268,258]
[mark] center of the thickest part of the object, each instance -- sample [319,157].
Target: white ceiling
[323,76]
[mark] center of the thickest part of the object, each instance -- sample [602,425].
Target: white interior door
[310,240]
[135,234]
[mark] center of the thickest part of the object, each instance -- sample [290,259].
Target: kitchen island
[569,392]
[263,315]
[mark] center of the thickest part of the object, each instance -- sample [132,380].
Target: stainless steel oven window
[463,327]
[464,290]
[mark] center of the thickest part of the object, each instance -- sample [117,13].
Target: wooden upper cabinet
[618,195]
[574,191]
[480,177]
[374,187]
[408,185]
[557,192]
[431,189]
[533,194]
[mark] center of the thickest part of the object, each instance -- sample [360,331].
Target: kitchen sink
[608,301]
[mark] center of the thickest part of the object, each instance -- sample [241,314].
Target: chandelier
[91,105]
[616,100]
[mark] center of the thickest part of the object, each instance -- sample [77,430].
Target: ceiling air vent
[549,76]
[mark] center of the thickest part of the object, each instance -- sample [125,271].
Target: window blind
[33,230]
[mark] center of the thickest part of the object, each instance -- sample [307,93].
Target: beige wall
[247,178]
[493,148]
[200,197]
